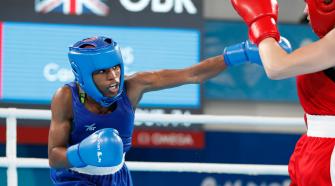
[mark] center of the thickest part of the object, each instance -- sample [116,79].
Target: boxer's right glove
[260,16]
[103,148]
[246,52]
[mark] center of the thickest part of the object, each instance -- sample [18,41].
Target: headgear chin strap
[103,53]
[322,15]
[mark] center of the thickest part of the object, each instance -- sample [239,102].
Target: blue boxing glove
[103,148]
[247,52]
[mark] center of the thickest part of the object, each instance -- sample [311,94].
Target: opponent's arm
[311,58]
[261,18]
[59,132]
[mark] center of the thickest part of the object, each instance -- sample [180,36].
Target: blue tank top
[85,122]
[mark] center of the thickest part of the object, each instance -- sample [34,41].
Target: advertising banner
[183,139]
[35,64]
[152,13]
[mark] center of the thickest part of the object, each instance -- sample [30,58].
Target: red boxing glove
[260,16]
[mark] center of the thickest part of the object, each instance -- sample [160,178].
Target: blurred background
[153,35]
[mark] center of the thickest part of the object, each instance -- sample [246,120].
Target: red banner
[2,134]
[148,138]
[168,139]
[1,50]
[28,135]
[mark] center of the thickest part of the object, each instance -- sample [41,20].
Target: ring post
[11,155]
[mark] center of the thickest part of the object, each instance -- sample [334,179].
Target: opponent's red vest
[316,92]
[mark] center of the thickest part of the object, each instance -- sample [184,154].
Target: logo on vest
[90,127]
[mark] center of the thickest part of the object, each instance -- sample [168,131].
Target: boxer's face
[108,80]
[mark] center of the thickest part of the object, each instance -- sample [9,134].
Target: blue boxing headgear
[104,53]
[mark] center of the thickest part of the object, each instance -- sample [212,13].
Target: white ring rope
[12,162]
[209,119]
[248,169]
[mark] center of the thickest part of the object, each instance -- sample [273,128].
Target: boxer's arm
[311,58]
[59,131]
[244,52]
[167,78]
[141,82]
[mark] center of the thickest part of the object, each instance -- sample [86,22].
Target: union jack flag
[72,7]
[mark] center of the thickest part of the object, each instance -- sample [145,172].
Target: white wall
[253,108]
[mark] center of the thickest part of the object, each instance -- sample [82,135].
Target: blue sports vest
[85,122]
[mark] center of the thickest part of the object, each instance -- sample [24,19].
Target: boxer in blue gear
[92,118]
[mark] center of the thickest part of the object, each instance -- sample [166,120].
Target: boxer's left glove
[103,148]
[247,52]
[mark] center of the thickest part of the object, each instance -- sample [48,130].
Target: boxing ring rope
[12,162]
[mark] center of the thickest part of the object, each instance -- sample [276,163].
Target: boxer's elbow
[57,158]
[52,157]
[275,72]
[52,163]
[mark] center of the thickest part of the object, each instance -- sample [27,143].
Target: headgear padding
[103,53]
[322,15]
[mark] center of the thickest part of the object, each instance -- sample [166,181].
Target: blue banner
[35,60]
[249,82]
